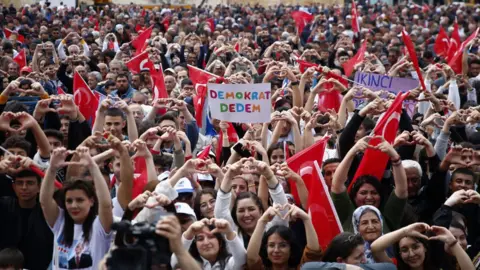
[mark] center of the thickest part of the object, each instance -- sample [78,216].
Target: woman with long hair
[247,207]
[276,247]
[367,189]
[204,203]
[214,245]
[81,223]
[412,248]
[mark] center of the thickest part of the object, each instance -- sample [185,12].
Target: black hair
[186,82]
[343,53]
[68,227]
[286,234]
[475,61]
[198,196]
[16,141]
[223,254]
[368,124]
[54,133]
[457,225]
[11,257]
[272,148]
[115,112]
[401,265]
[330,161]
[28,173]
[123,75]
[164,161]
[464,171]
[169,117]
[242,196]
[15,106]
[342,246]
[366,179]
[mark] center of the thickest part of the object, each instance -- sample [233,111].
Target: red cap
[26,69]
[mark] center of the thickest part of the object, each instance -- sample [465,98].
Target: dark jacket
[36,243]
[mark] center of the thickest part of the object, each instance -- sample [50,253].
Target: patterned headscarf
[356,223]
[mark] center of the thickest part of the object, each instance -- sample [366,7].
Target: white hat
[163,176]
[183,208]
[184,186]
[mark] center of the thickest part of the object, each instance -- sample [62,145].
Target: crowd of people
[221,192]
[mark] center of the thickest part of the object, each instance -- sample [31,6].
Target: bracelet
[294,83]
[275,187]
[251,185]
[396,162]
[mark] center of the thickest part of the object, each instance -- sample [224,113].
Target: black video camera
[143,249]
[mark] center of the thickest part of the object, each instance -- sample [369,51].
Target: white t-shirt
[81,254]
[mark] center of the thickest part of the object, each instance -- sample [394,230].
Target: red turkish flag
[442,43]
[60,91]
[84,98]
[200,79]
[304,159]
[137,63]
[21,59]
[456,62]
[232,138]
[140,176]
[413,56]
[159,89]
[454,42]
[9,32]
[320,207]
[301,19]
[304,65]
[140,41]
[211,24]
[357,58]
[374,161]
[355,22]
[205,153]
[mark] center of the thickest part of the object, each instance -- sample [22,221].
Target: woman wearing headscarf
[368,222]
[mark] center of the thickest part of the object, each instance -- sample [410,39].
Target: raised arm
[100,119]
[301,187]
[169,227]
[103,194]
[399,175]
[341,173]
[444,235]
[131,124]
[49,206]
[253,249]
[125,188]
[142,151]
[380,245]
[28,122]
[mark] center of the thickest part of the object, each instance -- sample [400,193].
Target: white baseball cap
[163,176]
[184,186]
[183,208]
